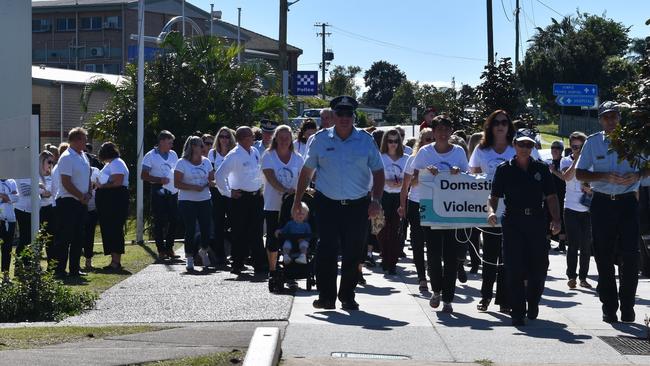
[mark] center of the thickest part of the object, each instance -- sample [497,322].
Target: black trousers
[193,212]
[492,253]
[342,228]
[7,231]
[615,231]
[272,219]
[417,239]
[525,256]
[578,233]
[89,233]
[70,237]
[164,208]
[112,212]
[24,221]
[247,230]
[47,216]
[443,248]
[220,209]
[388,237]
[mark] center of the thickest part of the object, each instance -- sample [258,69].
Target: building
[95,35]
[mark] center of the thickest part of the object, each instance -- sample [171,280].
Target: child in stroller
[296,231]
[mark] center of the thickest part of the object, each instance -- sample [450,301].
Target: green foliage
[382,80]
[498,89]
[270,106]
[399,108]
[582,49]
[34,294]
[362,120]
[341,81]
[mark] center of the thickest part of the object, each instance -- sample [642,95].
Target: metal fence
[569,124]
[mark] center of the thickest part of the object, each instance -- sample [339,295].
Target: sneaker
[302,259]
[423,285]
[286,259]
[572,283]
[361,280]
[462,275]
[483,304]
[434,301]
[205,258]
[89,264]
[189,266]
[163,256]
[585,284]
[447,308]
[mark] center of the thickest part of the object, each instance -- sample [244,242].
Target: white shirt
[161,168]
[24,189]
[94,177]
[197,175]
[47,182]
[488,159]
[286,174]
[428,156]
[408,150]
[300,147]
[56,183]
[117,166]
[77,167]
[393,171]
[8,187]
[573,188]
[216,158]
[414,191]
[240,170]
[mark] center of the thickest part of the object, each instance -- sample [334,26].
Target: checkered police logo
[306,80]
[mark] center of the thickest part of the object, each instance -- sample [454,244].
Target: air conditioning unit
[96,51]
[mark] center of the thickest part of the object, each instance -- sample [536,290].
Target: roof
[72,76]
[253,40]
[46,4]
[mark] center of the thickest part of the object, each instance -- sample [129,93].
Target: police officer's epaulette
[364,130]
[593,134]
[320,131]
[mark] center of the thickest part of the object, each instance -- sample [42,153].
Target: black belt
[158,187]
[615,197]
[247,193]
[524,211]
[344,202]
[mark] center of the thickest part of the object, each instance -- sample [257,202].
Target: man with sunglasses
[614,216]
[345,157]
[526,185]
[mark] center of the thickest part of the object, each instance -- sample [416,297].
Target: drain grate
[629,345]
[369,356]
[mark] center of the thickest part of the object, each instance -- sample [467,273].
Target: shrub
[35,295]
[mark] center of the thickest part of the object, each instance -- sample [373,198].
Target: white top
[488,159]
[47,182]
[77,167]
[95,178]
[393,171]
[300,147]
[408,150]
[240,170]
[117,166]
[161,168]
[286,174]
[56,183]
[24,202]
[216,158]
[428,156]
[197,175]
[573,188]
[8,187]
[414,191]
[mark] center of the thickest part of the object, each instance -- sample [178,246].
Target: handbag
[377,223]
[585,199]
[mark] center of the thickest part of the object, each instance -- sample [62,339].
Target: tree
[586,49]
[498,89]
[382,79]
[341,81]
[399,108]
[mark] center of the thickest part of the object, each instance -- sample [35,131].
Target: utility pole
[239,36]
[489,33]
[516,36]
[323,34]
[211,17]
[284,9]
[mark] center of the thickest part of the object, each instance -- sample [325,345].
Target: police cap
[268,125]
[344,102]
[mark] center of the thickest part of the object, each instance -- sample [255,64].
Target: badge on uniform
[537,176]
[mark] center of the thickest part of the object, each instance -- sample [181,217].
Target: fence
[569,124]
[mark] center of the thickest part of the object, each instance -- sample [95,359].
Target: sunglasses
[391,141]
[501,121]
[226,137]
[525,145]
[576,147]
[427,139]
[50,162]
[344,113]
[556,148]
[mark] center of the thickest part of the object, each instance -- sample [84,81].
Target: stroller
[296,271]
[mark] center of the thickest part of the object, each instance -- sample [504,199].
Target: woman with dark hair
[307,128]
[225,141]
[46,160]
[112,200]
[208,141]
[495,148]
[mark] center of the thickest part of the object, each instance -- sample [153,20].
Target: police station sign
[455,201]
[305,83]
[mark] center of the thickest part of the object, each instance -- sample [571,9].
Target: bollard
[264,348]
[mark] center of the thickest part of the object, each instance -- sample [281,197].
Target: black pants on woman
[191,212]
[24,221]
[220,207]
[388,237]
[492,254]
[112,212]
[164,208]
[417,239]
[47,217]
[272,219]
[7,230]
[89,233]
[442,245]
[578,232]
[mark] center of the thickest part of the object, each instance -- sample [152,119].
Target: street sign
[560,89]
[305,83]
[576,101]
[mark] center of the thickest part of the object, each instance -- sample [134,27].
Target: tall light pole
[211,17]
[490,33]
[239,36]
[140,123]
[183,15]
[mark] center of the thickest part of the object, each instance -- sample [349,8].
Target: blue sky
[414,33]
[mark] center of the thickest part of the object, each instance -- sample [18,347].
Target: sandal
[483,304]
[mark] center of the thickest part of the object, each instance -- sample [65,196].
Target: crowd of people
[364,196]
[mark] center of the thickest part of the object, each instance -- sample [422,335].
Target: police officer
[614,216]
[525,184]
[268,127]
[345,157]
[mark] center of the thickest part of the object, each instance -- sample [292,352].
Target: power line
[396,46]
[504,11]
[532,9]
[551,9]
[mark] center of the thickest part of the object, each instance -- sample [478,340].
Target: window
[66,24]
[112,69]
[41,25]
[93,68]
[113,22]
[91,23]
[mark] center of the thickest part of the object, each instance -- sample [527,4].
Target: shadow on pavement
[358,318]
[547,329]
[633,329]
[375,290]
[557,304]
[456,320]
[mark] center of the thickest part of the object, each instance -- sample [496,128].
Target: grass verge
[234,357]
[549,134]
[36,337]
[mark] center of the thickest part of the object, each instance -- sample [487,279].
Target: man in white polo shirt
[71,203]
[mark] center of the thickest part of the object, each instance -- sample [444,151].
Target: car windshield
[312,113]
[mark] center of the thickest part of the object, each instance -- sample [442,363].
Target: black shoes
[533,311]
[610,318]
[322,304]
[462,275]
[361,281]
[628,316]
[370,261]
[349,305]
[473,270]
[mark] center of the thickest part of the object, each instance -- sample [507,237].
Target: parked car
[313,113]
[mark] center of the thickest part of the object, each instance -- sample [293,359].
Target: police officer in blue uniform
[268,127]
[525,184]
[614,216]
[345,158]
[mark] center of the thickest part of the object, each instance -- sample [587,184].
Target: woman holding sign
[436,158]
[394,159]
[495,148]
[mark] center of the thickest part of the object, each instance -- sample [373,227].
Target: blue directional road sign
[575,89]
[305,83]
[576,100]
